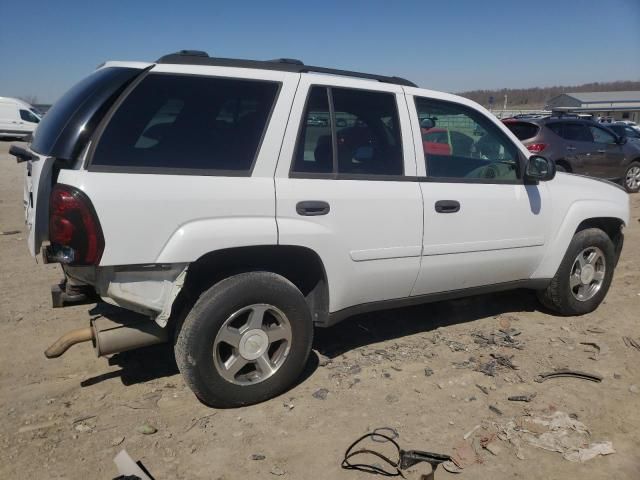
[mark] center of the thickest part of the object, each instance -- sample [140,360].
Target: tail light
[536,147]
[74,230]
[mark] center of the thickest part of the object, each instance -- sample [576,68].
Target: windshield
[71,120]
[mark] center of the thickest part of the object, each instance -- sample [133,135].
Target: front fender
[578,212]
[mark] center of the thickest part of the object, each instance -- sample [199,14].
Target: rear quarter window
[523,130]
[180,123]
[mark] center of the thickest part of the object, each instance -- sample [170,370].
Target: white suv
[237,204]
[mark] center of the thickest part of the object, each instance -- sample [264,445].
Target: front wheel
[631,179]
[584,276]
[247,339]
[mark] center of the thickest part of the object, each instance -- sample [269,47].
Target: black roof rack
[197,57]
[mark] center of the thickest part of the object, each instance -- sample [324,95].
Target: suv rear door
[346,187]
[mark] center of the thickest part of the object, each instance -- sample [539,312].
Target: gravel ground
[417,370]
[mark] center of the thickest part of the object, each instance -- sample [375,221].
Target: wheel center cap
[586,275]
[253,344]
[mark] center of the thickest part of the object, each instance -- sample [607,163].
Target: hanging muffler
[109,337]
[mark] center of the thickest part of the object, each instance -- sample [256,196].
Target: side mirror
[427,123]
[539,169]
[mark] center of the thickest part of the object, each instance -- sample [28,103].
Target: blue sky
[450,45]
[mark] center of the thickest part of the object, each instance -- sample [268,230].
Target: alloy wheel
[252,344]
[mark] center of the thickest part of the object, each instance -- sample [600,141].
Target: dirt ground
[414,370]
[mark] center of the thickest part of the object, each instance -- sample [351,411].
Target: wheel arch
[608,216]
[565,164]
[302,266]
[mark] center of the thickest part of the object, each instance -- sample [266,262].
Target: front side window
[461,143]
[361,138]
[188,122]
[27,116]
[601,136]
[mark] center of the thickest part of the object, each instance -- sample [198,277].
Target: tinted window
[600,135]
[630,132]
[460,142]
[71,120]
[618,129]
[314,152]
[188,122]
[27,116]
[366,132]
[523,130]
[572,131]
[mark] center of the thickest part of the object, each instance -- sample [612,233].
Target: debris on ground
[483,389]
[596,349]
[10,232]
[631,343]
[596,330]
[277,471]
[471,432]
[464,455]
[495,409]
[592,377]
[522,398]
[320,394]
[128,468]
[323,360]
[117,441]
[146,429]
[490,367]
[428,372]
[504,337]
[555,432]
[258,457]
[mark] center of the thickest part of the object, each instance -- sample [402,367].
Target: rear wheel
[584,276]
[247,339]
[631,180]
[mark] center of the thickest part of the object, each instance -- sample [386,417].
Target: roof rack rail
[198,57]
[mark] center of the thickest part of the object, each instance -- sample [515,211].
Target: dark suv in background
[581,146]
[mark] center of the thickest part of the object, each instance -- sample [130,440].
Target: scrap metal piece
[592,377]
[630,342]
[522,398]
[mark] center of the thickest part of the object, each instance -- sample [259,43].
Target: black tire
[558,296]
[627,187]
[194,346]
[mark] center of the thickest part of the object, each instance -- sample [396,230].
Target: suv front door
[579,148]
[345,188]
[613,160]
[482,225]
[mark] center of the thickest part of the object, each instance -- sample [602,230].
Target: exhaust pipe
[69,339]
[110,337]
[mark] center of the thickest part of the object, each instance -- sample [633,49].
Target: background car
[631,133]
[581,146]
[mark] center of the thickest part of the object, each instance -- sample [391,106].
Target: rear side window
[351,132]
[576,132]
[523,130]
[177,122]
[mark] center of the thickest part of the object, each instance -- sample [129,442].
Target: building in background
[614,105]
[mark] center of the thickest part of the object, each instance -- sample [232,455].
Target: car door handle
[571,149]
[312,208]
[447,206]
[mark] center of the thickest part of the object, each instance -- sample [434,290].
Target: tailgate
[37,186]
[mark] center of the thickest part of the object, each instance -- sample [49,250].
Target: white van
[17,118]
